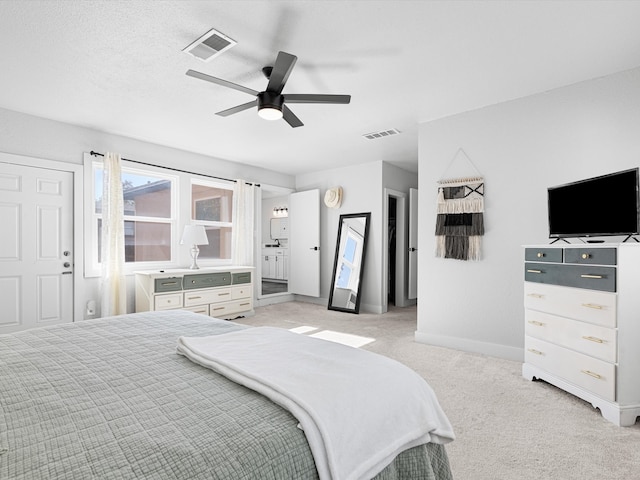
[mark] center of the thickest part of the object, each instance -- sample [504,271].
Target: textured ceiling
[118,66]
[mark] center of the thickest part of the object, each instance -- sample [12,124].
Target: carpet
[507,428]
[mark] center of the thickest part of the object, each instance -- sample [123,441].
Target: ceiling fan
[272,102]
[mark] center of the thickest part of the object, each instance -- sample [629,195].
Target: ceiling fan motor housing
[270,100]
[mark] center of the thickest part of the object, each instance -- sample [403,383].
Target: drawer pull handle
[535,295]
[534,271]
[585,256]
[540,255]
[597,277]
[223,294]
[194,298]
[592,305]
[169,283]
[244,304]
[537,352]
[592,374]
[219,308]
[536,323]
[593,339]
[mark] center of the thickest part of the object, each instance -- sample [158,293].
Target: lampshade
[194,235]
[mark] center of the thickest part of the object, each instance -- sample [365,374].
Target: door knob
[66,264]
[412,249]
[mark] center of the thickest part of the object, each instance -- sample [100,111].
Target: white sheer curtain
[114,299]
[243,223]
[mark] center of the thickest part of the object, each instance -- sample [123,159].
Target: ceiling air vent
[381,134]
[210,45]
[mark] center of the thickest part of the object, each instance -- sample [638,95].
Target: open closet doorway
[395,250]
[273,242]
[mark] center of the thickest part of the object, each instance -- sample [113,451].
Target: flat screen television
[599,206]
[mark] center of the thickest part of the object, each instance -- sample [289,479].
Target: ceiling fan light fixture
[270,105]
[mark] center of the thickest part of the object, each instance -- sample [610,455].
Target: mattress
[111,399]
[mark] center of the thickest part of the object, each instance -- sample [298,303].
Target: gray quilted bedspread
[111,399]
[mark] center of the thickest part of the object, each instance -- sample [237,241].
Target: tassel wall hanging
[460,217]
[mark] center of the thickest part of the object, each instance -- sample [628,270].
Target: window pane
[143,241]
[144,195]
[219,243]
[210,203]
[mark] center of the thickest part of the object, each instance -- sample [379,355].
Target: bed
[111,399]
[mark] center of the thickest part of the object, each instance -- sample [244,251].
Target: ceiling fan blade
[281,71]
[302,98]
[290,118]
[239,108]
[219,81]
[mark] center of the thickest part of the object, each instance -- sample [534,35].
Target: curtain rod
[97,154]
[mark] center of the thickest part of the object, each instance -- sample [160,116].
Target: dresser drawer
[543,255]
[590,256]
[226,309]
[585,305]
[207,296]
[206,280]
[594,340]
[243,291]
[242,277]
[167,284]
[578,276]
[168,301]
[592,374]
[201,309]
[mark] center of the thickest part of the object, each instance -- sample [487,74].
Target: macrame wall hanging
[460,214]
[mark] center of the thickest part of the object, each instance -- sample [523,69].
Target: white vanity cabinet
[275,263]
[221,292]
[582,324]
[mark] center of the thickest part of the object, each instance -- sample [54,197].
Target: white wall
[521,147]
[363,187]
[22,134]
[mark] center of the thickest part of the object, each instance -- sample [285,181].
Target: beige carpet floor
[507,428]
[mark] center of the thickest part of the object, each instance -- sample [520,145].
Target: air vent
[210,45]
[381,134]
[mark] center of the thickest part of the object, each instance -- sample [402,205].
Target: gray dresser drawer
[205,280]
[578,276]
[168,284]
[590,256]
[243,277]
[543,255]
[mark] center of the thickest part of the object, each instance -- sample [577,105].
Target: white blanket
[358,409]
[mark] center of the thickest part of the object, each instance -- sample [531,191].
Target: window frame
[180,216]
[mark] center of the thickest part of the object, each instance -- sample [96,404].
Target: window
[211,206]
[158,203]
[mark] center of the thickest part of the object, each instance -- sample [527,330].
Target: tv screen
[599,206]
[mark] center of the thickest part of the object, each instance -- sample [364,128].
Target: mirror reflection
[348,265]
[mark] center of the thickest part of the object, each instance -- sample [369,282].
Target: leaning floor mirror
[345,293]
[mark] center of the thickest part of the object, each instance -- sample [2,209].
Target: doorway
[394,250]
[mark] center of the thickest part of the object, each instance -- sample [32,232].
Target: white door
[413,243]
[36,247]
[304,243]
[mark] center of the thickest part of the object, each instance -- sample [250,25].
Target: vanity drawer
[590,306]
[543,255]
[168,301]
[207,296]
[590,256]
[206,280]
[592,374]
[578,276]
[594,340]
[171,284]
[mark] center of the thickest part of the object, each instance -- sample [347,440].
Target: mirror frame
[356,308]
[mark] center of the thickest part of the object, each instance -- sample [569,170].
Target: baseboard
[273,299]
[467,345]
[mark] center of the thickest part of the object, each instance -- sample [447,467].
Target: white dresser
[221,292]
[582,324]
